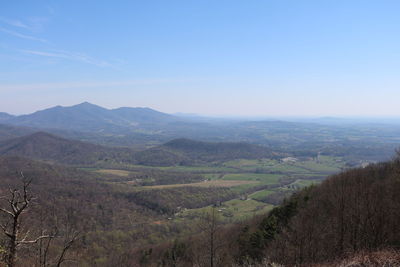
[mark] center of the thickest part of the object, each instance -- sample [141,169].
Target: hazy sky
[238,57]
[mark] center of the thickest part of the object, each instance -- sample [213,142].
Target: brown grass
[388,258]
[114,172]
[214,183]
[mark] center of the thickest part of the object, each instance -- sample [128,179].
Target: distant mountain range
[87,117]
[5,116]
[142,128]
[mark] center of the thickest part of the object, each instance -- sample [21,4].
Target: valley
[135,197]
[256,185]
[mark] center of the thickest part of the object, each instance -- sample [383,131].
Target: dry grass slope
[387,258]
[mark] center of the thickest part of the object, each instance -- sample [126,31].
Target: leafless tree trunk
[18,201]
[210,226]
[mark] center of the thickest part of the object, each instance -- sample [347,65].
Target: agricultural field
[230,211]
[206,183]
[254,186]
[114,172]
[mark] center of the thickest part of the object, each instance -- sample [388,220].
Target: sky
[210,57]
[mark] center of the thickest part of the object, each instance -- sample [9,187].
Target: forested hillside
[190,152]
[44,146]
[8,131]
[71,208]
[351,212]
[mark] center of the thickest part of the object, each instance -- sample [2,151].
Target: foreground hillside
[72,207]
[99,219]
[350,212]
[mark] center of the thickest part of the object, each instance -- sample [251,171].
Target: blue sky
[250,58]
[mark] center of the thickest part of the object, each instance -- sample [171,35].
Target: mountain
[143,128]
[45,146]
[87,117]
[142,115]
[10,131]
[184,151]
[5,116]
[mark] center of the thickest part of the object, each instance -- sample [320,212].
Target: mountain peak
[89,117]
[86,105]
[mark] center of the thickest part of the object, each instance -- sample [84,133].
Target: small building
[289,160]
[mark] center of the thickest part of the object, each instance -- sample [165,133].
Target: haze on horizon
[259,58]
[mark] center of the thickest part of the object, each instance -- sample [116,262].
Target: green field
[230,211]
[264,178]
[257,181]
[260,194]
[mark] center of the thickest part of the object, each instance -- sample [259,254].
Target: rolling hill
[49,147]
[10,131]
[188,152]
[45,146]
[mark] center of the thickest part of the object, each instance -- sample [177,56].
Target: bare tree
[211,225]
[69,239]
[52,251]
[18,201]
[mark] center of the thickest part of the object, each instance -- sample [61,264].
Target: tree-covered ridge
[350,212]
[45,146]
[188,152]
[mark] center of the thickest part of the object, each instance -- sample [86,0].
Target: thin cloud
[14,23]
[36,24]
[80,85]
[69,56]
[33,24]
[23,36]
